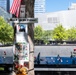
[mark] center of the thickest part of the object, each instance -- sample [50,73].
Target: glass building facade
[39,6]
[5,4]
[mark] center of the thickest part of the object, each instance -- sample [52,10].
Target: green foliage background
[6,32]
[59,33]
[38,32]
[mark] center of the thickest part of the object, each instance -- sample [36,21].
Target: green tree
[38,32]
[71,34]
[47,36]
[59,33]
[6,31]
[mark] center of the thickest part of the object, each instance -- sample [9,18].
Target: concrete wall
[54,50]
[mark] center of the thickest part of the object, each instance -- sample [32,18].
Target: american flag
[15,8]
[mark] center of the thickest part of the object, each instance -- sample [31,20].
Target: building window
[53,20]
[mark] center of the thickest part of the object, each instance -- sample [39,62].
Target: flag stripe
[18,9]
[12,10]
[15,7]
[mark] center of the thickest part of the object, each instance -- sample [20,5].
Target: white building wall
[66,18]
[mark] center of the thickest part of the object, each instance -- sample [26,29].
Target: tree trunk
[29,13]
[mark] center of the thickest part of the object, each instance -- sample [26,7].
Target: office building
[67,18]
[4,14]
[5,4]
[72,7]
[39,6]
